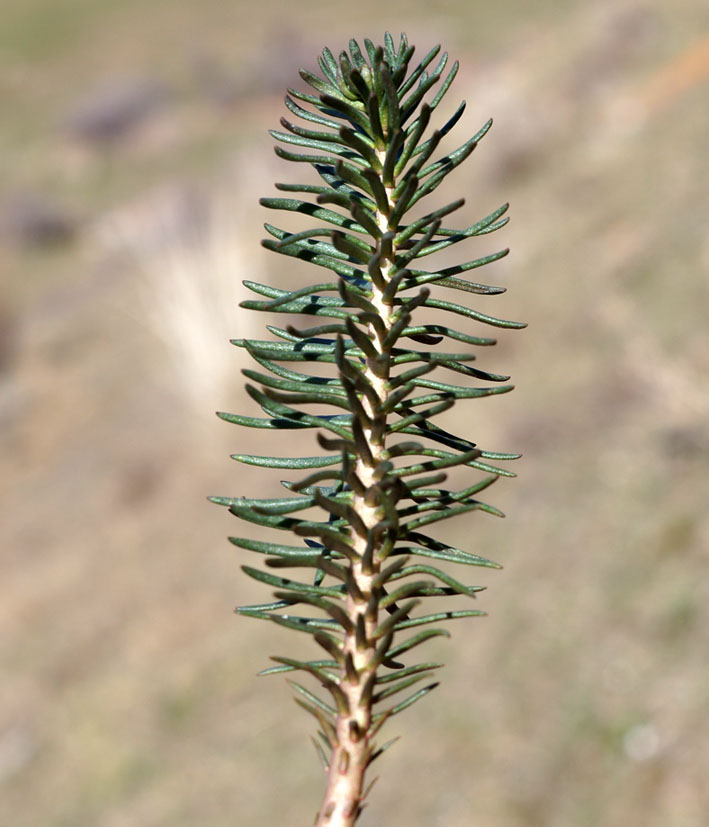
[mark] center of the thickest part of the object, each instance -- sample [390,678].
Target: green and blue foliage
[360,521]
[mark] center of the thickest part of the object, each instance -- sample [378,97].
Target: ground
[133,155]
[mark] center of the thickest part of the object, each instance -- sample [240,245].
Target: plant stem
[352,752]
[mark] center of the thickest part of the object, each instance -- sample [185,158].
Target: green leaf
[334,146]
[348,109]
[442,330]
[441,551]
[336,611]
[287,583]
[311,625]
[331,539]
[460,268]
[275,294]
[319,84]
[425,83]
[445,86]
[256,422]
[451,582]
[418,71]
[422,223]
[294,463]
[306,115]
[456,391]
[276,670]
[412,699]
[313,210]
[313,698]
[411,670]
[445,460]
[330,260]
[411,137]
[328,64]
[270,508]
[377,752]
[438,616]
[415,641]
[308,397]
[329,383]
[393,689]
[411,589]
[473,314]
[277,549]
[313,668]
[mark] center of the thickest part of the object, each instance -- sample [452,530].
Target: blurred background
[133,149]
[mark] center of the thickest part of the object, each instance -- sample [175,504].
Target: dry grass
[192,251]
[129,694]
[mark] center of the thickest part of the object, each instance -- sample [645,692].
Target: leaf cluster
[365,129]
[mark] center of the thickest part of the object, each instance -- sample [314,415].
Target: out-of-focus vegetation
[133,149]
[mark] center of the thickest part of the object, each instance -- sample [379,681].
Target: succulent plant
[360,521]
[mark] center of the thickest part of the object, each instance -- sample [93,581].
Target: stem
[350,755]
